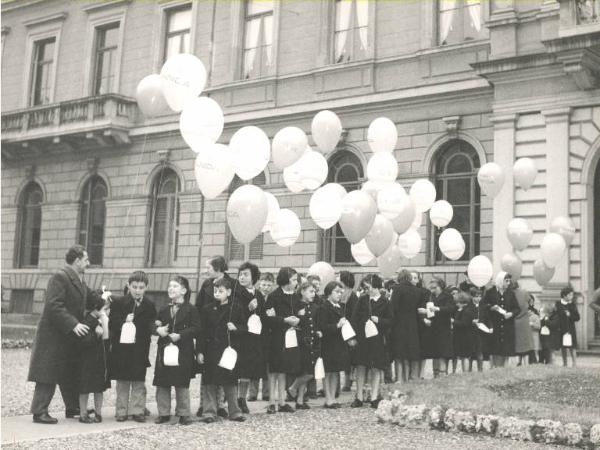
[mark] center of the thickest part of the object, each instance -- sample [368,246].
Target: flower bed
[16,343]
[397,411]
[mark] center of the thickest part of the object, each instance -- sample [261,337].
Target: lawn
[531,392]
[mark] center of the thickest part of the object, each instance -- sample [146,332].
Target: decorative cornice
[163,156]
[452,123]
[104,5]
[557,115]
[58,17]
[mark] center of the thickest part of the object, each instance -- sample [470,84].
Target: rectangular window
[43,61]
[459,21]
[107,44]
[240,252]
[21,301]
[351,33]
[177,38]
[258,39]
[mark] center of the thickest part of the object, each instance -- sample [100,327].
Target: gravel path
[346,428]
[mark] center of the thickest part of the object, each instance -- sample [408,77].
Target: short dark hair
[313,277]
[475,292]
[185,283]
[439,282]
[218,263]
[305,285]
[267,276]
[374,281]
[253,268]
[223,282]
[284,276]
[138,276]
[75,252]
[463,297]
[566,291]
[330,287]
[347,278]
[404,276]
[389,284]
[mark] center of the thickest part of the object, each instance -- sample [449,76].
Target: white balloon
[519,233]
[326,129]
[408,217]
[441,213]
[480,270]
[423,194]
[553,248]
[524,172]
[490,178]
[325,272]
[252,150]
[361,253]
[380,236]
[286,229]
[410,243]
[292,177]
[563,226]
[391,200]
[214,170]
[183,78]
[201,122]
[416,224]
[337,188]
[382,167]
[313,170]
[382,135]
[273,210]
[289,144]
[373,187]
[326,206]
[451,244]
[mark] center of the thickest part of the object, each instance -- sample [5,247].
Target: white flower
[574,433]
[595,434]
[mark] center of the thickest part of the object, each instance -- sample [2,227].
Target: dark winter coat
[465,332]
[441,326]
[503,337]
[334,350]
[215,338]
[281,359]
[187,324]
[206,295]
[406,299]
[371,352]
[310,342]
[252,363]
[130,361]
[55,356]
[566,324]
[94,373]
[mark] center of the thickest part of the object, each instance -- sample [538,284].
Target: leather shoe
[222,412]
[44,418]
[239,419]
[162,419]
[140,418]
[72,413]
[185,420]
[121,418]
[199,412]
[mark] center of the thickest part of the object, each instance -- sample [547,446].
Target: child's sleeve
[386,317]
[327,328]
[276,321]
[192,331]
[447,308]
[574,312]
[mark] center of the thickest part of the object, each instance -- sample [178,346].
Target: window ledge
[460,46]
[104,5]
[58,17]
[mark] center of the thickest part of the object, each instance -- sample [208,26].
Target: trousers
[43,393]
[182,398]
[131,398]
[210,402]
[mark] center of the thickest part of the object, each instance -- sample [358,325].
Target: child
[453,290]
[128,362]
[334,350]
[464,331]
[94,376]
[548,333]
[265,285]
[534,326]
[480,347]
[309,340]
[315,280]
[223,325]
[349,301]
[178,323]
[567,313]
[370,353]
[251,360]
[283,305]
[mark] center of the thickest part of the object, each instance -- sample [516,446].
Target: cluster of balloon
[480,270]
[324,271]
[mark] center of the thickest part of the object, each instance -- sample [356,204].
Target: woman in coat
[370,353]
[464,332]
[406,350]
[442,306]
[349,301]
[252,363]
[282,306]
[567,314]
[523,338]
[177,324]
[503,308]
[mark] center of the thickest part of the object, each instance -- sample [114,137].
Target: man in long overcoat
[55,357]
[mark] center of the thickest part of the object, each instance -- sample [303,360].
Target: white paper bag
[545,331]
[370,329]
[430,311]
[347,331]
[567,340]
[501,310]
[291,338]
[127,333]
[171,355]
[319,369]
[483,327]
[228,359]
[254,324]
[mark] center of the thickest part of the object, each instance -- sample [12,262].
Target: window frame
[35,71]
[27,295]
[169,34]
[99,58]
[21,232]
[160,44]
[353,32]
[461,12]
[259,48]
[444,155]
[87,192]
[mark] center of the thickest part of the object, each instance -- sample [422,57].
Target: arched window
[235,250]
[164,228]
[344,168]
[29,224]
[455,172]
[92,216]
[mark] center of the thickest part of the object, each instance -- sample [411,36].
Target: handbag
[254,324]
[347,331]
[291,338]
[127,333]
[567,340]
[171,355]
[228,358]
[319,369]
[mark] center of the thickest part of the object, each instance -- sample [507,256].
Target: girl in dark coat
[334,350]
[223,325]
[128,362]
[406,299]
[548,333]
[480,338]
[567,314]
[177,324]
[349,301]
[252,363]
[503,308]
[465,333]
[370,353]
[441,306]
[283,306]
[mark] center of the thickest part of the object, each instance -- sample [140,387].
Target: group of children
[242,330]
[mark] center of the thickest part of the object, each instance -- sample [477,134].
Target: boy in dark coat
[128,362]
[223,325]
[566,311]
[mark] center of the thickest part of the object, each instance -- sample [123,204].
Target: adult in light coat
[523,337]
[55,358]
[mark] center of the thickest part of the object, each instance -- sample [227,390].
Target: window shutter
[256,248]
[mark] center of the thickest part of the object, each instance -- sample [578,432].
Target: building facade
[466,82]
